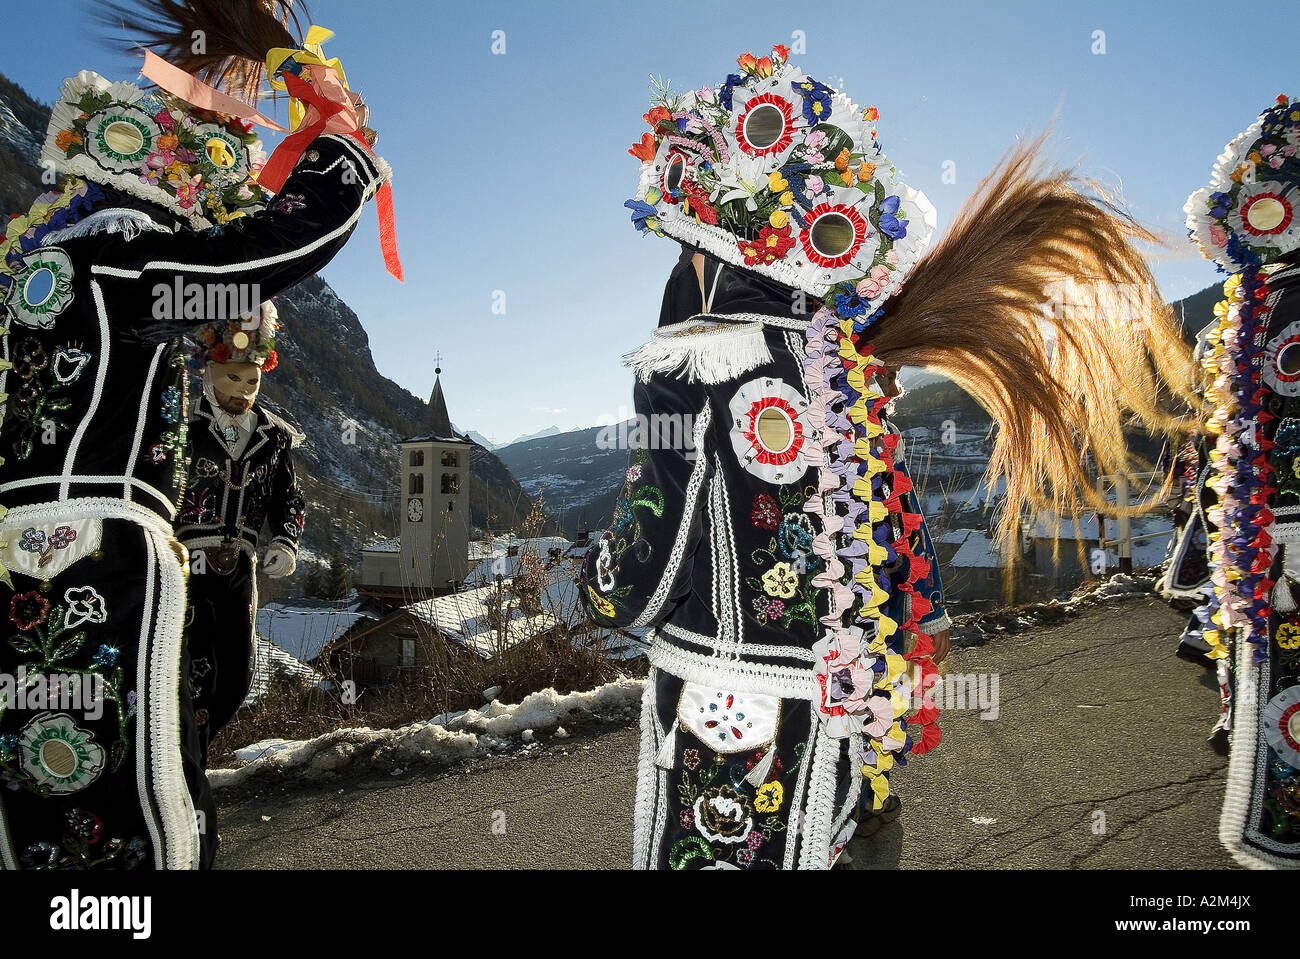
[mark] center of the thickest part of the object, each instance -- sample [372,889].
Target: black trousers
[221,646]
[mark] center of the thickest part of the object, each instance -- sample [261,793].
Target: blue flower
[644,217]
[849,305]
[1222,204]
[816,100]
[724,95]
[890,225]
[106,656]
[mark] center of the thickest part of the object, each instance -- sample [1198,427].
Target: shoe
[869,822]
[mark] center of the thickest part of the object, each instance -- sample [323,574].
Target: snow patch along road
[439,742]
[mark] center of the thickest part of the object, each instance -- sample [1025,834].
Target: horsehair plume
[222,42]
[1037,303]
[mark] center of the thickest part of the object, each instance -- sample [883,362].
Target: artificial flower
[646,149]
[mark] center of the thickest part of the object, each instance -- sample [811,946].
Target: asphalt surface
[1097,759]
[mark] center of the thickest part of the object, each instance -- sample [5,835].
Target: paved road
[1097,759]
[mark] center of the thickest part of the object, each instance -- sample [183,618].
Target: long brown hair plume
[1037,303]
[222,42]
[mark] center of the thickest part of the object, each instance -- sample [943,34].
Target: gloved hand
[278,561]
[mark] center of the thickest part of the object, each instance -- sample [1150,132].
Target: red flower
[28,610]
[771,245]
[656,116]
[646,149]
[765,513]
[271,362]
[781,52]
[219,353]
[700,205]
[747,62]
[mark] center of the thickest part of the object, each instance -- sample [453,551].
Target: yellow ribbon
[312,52]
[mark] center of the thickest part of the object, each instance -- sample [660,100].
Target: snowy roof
[464,617]
[393,545]
[974,548]
[304,628]
[493,559]
[271,659]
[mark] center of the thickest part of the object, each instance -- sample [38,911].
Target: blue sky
[511,170]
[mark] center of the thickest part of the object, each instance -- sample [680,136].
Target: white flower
[85,605]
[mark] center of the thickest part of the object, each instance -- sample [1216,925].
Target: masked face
[235,385]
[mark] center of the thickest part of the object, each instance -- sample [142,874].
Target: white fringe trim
[714,355]
[129,223]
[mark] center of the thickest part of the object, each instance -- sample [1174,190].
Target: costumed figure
[241,484]
[1246,221]
[1186,583]
[164,210]
[767,532]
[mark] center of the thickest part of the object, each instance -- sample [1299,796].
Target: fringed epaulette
[702,351]
[296,436]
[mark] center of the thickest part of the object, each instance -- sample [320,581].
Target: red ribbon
[287,154]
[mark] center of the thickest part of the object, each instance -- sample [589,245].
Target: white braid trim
[692,502]
[160,654]
[818,828]
[788,682]
[760,650]
[647,774]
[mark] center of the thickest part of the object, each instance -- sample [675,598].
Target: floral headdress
[247,340]
[1248,215]
[202,166]
[780,174]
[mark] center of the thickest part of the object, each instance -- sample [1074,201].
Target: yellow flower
[779,581]
[769,798]
[866,171]
[787,198]
[777,183]
[778,219]
[600,603]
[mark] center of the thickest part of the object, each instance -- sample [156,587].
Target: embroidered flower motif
[769,798]
[63,537]
[1288,636]
[28,610]
[57,753]
[107,656]
[289,203]
[691,759]
[765,513]
[781,581]
[687,819]
[601,605]
[33,540]
[85,605]
[723,815]
[634,473]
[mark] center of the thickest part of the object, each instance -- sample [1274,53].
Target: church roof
[437,421]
